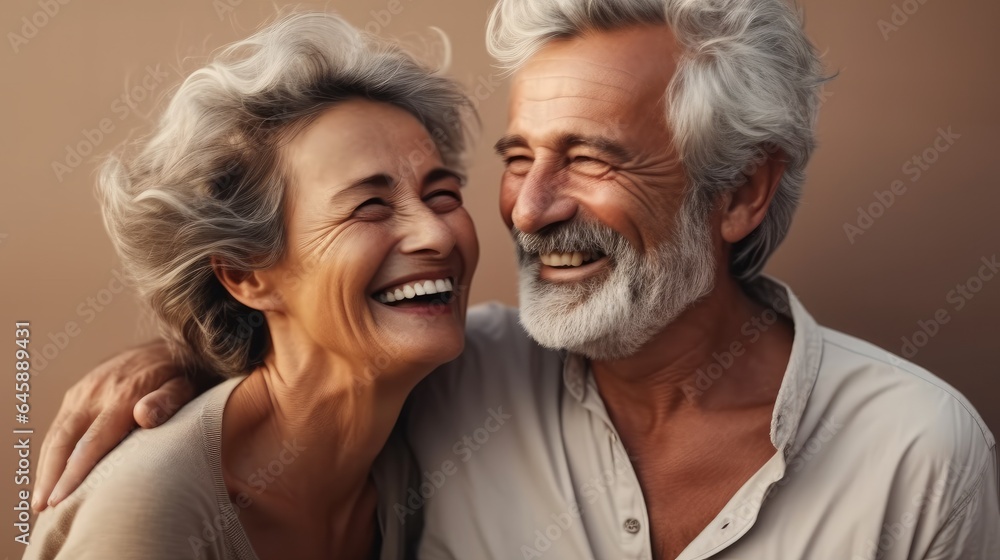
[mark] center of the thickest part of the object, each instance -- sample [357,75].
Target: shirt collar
[797,383]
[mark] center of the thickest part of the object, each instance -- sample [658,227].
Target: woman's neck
[303,430]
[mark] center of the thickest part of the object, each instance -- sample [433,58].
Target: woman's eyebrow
[439,173]
[375,180]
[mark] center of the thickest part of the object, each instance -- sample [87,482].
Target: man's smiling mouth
[569,260]
[572,267]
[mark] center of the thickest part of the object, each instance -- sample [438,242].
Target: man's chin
[566,317]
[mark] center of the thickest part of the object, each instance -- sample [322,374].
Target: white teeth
[576,258]
[414,289]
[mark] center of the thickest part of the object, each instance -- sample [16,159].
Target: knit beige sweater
[160,495]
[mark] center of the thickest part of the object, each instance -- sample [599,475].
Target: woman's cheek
[349,267]
[464,231]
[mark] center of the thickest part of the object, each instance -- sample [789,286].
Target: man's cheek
[508,197]
[623,213]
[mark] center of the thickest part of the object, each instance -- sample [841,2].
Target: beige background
[897,87]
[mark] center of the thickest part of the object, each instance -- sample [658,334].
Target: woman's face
[381,251]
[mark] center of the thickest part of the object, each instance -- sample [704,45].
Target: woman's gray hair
[209,182]
[746,88]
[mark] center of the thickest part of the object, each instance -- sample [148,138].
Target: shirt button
[632,525]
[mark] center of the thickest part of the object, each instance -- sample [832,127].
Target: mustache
[568,237]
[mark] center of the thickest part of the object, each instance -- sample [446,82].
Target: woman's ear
[746,206]
[254,289]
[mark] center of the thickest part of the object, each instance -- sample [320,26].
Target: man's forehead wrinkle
[564,80]
[607,68]
[600,125]
[557,97]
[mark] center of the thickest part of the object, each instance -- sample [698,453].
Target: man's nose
[541,200]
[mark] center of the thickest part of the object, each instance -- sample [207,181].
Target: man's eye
[518,165]
[590,165]
[443,201]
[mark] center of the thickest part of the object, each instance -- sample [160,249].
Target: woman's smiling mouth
[417,293]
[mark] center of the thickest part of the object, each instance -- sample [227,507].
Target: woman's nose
[427,232]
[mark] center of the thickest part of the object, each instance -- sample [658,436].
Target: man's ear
[746,206]
[254,289]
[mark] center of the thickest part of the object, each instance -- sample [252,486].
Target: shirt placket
[623,491]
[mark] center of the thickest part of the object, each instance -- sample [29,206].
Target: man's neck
[719,354]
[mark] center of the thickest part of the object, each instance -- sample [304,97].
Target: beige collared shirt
[875,458]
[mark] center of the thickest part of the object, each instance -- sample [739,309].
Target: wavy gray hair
[209,182]
[746,87]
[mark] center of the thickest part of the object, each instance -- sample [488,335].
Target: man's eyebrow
[509,141]
[599,143]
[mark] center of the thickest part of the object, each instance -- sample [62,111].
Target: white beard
[611,317]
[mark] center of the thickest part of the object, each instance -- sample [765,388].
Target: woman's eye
[372,208]
[443,201]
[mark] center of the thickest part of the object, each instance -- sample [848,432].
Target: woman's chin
[431,350]
[430,335]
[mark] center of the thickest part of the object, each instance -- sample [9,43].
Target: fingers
[56,448]
[107,431]
[160,405]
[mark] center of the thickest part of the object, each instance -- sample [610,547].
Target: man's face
[595,193]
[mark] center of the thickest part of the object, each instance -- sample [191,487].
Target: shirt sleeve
[972,532]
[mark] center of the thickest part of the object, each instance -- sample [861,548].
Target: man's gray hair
[746,88]
[210,181]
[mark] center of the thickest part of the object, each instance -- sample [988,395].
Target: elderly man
[666,401]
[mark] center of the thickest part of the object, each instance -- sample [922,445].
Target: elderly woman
[296,224]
